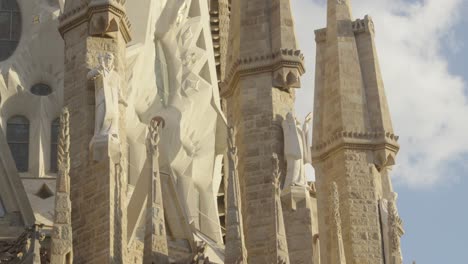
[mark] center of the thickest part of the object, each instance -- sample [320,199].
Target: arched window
[10,27]
[18,140]
[2,209]
[54,132]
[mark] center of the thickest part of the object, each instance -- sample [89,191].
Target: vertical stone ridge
[339,256]
[155,248]
[61,247]
[236,253]
[283,254]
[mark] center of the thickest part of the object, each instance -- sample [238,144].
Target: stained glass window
[18,140]
[10,27]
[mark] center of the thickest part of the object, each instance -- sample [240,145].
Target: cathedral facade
[143,131]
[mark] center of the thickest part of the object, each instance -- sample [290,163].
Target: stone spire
[354,145]
[61,248]
[236,253]
[95,34]
[155,249]
[263,66]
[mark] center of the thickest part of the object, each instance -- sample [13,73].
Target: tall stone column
[155,249]
[354,145]
[95,34]
[61,248]
[263,68]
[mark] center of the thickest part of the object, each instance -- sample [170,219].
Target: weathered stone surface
[354,144]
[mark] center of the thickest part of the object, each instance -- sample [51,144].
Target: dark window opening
[41,89]
[10,27]
[18,141]
[54,134]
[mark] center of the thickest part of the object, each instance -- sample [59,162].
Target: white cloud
[427,102]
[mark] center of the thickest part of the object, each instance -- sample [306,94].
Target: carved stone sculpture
[294,152]
[107,97]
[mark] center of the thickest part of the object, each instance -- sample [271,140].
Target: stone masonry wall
[97,188]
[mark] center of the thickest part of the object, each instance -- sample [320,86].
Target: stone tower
[95,35]
[354,145]
[263,68]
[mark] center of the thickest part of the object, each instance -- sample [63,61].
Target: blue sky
[423,50]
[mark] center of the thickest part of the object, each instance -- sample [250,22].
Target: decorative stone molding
[287,66]
[361,140]
[356,135]
[104,16]
[365,25]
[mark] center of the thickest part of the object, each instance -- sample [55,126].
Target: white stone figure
[293,152]
[306,139]
[107,95]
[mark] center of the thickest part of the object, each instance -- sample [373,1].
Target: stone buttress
[263,67]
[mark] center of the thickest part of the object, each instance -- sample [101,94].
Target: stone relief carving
[107,97]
